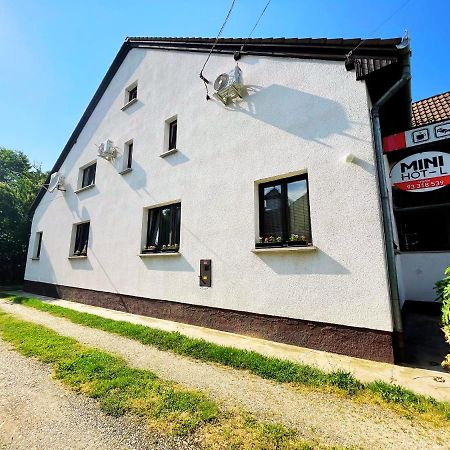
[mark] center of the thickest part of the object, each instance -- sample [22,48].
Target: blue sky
[54,53]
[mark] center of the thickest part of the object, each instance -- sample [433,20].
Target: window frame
[173,123]
[128,98]
[149,246]
[285,239]
[130,148]
[132,93]
[127,160]
[37,245]
[84,171]
[78,236]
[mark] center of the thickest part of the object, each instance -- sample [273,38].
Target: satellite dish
[56,182]
[221,81]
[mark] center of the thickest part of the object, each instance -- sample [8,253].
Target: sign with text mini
[422,172]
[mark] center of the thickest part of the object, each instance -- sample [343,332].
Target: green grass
[283,371]
[166,406]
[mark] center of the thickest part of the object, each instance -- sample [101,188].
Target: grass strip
[166,406]
[397,397]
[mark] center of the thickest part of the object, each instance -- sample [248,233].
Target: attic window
[131,93]
[170,136]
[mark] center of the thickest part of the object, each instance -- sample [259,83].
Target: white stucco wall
[300,115]
[419,271]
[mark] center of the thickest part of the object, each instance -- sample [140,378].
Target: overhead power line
[212,48]
[379,26]
[256,24]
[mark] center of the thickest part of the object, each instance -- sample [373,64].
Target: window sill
[84,188]
[127,170]
[34,258]
[131,102]
[309,248]
[169,152]
[78,257]
[145,255]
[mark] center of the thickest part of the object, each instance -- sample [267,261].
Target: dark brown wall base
[359,342]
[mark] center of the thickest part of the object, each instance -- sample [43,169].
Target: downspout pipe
[385,207]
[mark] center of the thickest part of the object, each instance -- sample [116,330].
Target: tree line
[20,181]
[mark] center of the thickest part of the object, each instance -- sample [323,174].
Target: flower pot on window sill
[268,244]
[150,249]
[169,248]
[281,244]
[299,244]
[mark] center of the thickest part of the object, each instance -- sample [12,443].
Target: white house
[261,216]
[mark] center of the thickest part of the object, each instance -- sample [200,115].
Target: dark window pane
[163,228]
[273,211]
[425,229]
[130,155]
[299,227]
[39,244]
[173,135]
[132,94]
[177,224]
[284,212]
[89,175]
[81,239]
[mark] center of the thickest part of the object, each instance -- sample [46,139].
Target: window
[88,178]
[37,245]
[284,218]
[128,155]
[131,93]
[426,229]
[172,135]
[163,229]
[81,239]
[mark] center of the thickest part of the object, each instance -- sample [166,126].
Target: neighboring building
[261,217]
[420,170]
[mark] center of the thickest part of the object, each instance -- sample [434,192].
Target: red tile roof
[431,110]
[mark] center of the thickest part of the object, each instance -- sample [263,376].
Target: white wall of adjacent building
[300,115]
[419,273]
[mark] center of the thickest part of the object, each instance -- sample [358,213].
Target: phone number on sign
[424,184]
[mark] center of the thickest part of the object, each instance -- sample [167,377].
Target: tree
[20,182]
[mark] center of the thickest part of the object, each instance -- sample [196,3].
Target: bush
[443,291]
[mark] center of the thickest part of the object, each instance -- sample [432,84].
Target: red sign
[418,136]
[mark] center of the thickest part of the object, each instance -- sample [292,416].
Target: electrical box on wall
[205,273]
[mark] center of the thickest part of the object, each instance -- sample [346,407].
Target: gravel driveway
[37,413]
[318,416]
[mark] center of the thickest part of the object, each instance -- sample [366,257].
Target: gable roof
[431,110]
[305,48]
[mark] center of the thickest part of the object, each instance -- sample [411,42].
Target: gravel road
[318,416]
[37,413]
